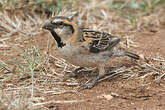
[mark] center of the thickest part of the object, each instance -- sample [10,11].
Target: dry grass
[27,80]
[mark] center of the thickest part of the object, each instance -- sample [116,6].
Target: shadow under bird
[85,47]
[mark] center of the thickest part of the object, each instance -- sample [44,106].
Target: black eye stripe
[59,23]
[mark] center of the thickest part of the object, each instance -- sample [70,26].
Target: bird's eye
[60,23]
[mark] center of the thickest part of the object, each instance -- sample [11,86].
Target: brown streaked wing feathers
[99,41]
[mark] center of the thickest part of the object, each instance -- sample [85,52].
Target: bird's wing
[99,41]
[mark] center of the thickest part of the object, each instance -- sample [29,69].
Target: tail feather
[132,55]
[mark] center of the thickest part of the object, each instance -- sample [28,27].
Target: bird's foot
[74,73]
[90,83]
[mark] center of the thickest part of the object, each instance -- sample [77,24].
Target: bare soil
[116,94]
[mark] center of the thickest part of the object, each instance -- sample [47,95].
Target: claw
[89,84]
[69,75]
[74,73]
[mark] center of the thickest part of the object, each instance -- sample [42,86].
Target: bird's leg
[92,82]
[74,73]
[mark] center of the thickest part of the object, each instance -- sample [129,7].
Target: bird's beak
[48,26]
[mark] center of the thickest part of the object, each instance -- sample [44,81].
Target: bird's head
[59,23]
[63,30]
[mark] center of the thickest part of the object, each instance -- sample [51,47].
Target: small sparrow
[84,47]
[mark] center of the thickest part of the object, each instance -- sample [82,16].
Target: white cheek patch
[54,29]
[60,31]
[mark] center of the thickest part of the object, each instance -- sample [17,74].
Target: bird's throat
[58,39]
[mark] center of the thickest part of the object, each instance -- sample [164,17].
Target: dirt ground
[120,94]
[116,94]
[137,88]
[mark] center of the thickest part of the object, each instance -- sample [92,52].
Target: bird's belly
[84,59]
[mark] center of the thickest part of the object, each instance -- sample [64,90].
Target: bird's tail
[132,55]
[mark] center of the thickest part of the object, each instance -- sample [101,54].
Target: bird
[84,47]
